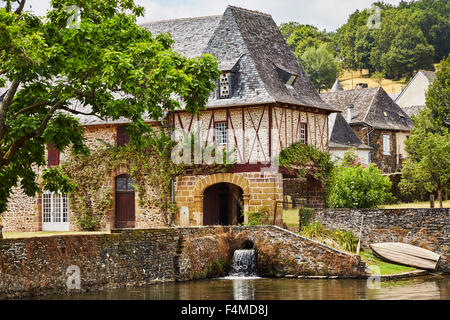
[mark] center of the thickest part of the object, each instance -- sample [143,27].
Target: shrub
[305,216]
[359,187]
[257,217]
[87,222]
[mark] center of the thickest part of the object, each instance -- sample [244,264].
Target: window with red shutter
[122,137]
[52,155]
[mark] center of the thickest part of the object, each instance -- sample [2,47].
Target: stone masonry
[426,228]
[38,266]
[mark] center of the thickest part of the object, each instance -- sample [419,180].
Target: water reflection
[432,287]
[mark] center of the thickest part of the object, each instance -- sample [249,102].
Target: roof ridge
[250,11]
[371,103]
[175,19]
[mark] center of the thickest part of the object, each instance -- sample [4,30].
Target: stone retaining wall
[426,228]
[38,266]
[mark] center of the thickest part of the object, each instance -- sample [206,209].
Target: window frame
[386,142]
[305,124]
[226,133]
[55,211]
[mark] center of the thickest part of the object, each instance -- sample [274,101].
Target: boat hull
[406,254]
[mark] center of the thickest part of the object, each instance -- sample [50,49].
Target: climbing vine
[304,159]
[149,166]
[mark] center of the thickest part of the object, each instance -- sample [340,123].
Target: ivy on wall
[304,159]
[149,166]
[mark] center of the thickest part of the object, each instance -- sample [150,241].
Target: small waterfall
[244,263]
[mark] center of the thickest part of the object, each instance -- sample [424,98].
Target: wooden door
[124,208]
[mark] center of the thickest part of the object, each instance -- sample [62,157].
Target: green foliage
[359,187]
[408,51]
[411,37]
[109,67]
[149,166]
[87,222]
[257,217]
[305,215]
[320,66]
[345,240]
[302,37]
[314,230]
[438,97]
[304,159]
[428,146]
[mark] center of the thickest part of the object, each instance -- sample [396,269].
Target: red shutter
[122,137]
[52,155]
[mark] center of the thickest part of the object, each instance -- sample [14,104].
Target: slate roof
[430,75]
[341,135]
[336,86]
[191,35]
[249,43]
[413,110]
[371,106]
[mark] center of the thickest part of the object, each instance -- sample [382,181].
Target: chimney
[349,113]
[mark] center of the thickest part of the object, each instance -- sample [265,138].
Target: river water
[253,288]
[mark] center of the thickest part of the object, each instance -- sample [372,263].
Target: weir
[244,263]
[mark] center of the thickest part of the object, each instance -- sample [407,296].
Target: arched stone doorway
[223,204]
[210,180]
[125,216]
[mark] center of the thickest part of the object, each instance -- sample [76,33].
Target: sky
[324,14]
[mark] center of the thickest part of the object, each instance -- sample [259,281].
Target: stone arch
[212,179]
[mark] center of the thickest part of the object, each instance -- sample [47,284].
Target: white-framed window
[303,133]
[224,85]
[386,144]
[221,133]
[55,212]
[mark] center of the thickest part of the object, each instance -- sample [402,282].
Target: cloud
[325,14]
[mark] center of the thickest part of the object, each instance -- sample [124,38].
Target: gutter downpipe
[368,142]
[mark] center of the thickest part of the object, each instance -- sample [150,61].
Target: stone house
[264,103]
[412,97]
[342,139]
[377,121]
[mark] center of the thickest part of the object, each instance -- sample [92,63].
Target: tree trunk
[440,197]
[431,200]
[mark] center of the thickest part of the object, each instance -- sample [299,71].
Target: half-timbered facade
[263,103]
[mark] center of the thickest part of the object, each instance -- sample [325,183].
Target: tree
[105,65]
[303,36]
[354,186]
[428,146]
[320,66]
[409,51]
[438,96]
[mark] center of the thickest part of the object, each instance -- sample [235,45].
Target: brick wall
[426,228]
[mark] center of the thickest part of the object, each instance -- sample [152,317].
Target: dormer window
[225,85]
[291,80]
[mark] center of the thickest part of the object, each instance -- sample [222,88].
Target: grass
[390,86]
[15,235]
[425,204]
[385,267]
[291,218]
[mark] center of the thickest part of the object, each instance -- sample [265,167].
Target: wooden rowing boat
[406,254]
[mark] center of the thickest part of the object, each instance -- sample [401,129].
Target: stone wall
[38,266]
[426,228]
[387,163]
[304,188]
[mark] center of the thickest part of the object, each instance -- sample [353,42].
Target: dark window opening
[122,137]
